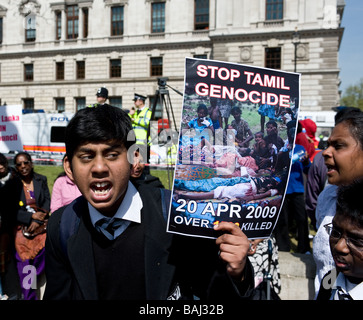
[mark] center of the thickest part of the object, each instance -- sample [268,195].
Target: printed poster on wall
[234,154]
[10,128]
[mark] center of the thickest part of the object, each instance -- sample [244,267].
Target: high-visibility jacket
[94,105]
[172,153]
[141,124]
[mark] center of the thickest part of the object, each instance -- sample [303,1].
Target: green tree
[353,96]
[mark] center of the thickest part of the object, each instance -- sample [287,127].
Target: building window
[274,9]
[81,69]
[72,22]
[115,68]
[117,21]
[1,30]
[30,29]
[116,102]
[201,14]
[200,56]
[28,72]
[60,105]
[158,17]
[58,25]
[59,72]
[273,58]
[30,35]
[85,22]
[156,66]
[28,104]
[80,103]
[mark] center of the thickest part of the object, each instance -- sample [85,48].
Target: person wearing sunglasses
[345,281]
[28,203]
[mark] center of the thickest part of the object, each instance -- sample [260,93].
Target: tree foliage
[353,96]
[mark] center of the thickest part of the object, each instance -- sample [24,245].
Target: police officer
[102,96]
[140,117]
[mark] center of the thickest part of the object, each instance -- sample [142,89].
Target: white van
[324,119]
[44,132]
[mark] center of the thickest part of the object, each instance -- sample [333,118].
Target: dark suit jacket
[14,193]
[325,291]
[169,259]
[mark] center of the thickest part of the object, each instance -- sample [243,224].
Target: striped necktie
[342,294]
[109,226]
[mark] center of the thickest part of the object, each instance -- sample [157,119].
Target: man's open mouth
[101,188]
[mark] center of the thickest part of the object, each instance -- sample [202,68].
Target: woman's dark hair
[27,156]
[4,162]
[98,124]
[345,111]
[354,120]
[202,107]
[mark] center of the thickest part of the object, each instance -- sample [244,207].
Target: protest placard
[10,128]
[234,155]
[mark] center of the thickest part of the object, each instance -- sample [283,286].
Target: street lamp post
[295,41]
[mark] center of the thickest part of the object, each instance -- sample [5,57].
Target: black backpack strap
[165,202]
[70,221]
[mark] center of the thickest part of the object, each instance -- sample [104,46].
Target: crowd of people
[311,192]
[101,233]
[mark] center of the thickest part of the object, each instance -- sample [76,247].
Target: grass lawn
[51,172]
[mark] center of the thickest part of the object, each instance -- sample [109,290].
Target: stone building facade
[54,54]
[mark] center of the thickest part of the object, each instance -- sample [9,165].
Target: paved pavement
[297,273]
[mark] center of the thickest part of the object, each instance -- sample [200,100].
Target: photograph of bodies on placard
[233,156]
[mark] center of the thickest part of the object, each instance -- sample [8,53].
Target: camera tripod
[162,97]
[167,136]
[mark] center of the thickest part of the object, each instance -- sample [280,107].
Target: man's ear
[67,166]
[135,160]
[137,156]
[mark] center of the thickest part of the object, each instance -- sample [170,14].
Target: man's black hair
[349,202]
[236,110]
[98,124]
[272,122]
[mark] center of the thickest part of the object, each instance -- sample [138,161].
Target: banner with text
[10,128]
[234,155]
